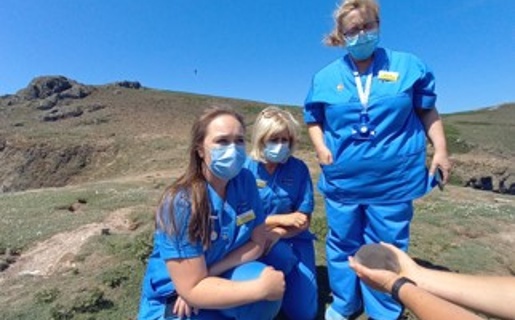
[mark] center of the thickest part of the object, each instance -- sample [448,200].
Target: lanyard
[363,94]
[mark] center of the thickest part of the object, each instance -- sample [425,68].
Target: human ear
[200,152]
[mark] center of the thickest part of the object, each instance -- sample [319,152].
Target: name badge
[388,76]
[260,183]
[245,217]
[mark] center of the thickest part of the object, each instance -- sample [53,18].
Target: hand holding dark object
[376,256]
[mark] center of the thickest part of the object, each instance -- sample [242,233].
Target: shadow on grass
[430,265]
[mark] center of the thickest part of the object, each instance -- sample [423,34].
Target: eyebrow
[229,136]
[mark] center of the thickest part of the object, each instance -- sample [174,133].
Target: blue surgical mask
[363,45]
[227,160]
[276,152]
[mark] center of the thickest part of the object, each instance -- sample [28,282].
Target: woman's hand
[296,219]
[182,309]
[378,279]
[324,155]
[272,283]
[383,280]
[441,160]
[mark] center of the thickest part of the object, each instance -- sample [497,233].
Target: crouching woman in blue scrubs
[368,114]
[209,229]
[286,189]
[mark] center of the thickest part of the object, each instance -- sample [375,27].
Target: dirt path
[58,252]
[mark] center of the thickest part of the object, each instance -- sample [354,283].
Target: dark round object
[376,256]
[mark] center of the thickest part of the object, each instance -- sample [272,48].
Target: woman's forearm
[248,252]
[219,293]
[492,295]
[316,135]
[430,307]
[434,129]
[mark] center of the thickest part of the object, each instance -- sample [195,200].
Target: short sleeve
[305,198]
[177,245]
[424,96]
[313,110]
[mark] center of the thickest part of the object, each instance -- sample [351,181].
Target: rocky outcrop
[55,87]
[129,84]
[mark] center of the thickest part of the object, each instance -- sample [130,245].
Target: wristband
[397,286]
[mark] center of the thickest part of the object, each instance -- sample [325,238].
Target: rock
[46,86]
[74,207]
[77,91]
[47,103]
[129,84]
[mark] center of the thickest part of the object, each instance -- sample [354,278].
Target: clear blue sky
[263,50]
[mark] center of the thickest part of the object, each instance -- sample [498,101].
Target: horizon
[265,52]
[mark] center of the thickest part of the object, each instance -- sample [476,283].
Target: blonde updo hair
[336,37]
[271,121]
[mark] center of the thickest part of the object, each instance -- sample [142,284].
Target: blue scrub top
[288,189]
[391,167]
[233,221]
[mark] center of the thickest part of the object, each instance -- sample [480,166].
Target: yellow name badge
[388,76]
[245,217]
[260,183]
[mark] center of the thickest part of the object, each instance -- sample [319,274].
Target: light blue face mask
[277,152]
[227,160]
[363,45]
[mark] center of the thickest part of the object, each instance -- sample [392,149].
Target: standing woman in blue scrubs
[368,114]
[209,226]
[286,189]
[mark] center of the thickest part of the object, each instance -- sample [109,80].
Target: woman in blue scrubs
[209,229]
[286,189]
[368,114]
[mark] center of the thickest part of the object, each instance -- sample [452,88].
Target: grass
[28,217]
[106,279]
[142,131]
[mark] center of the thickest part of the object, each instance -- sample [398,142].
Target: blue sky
[262,50]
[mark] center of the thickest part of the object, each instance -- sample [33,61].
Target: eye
[223,141]
[240,140]
[353,32]
[370,25]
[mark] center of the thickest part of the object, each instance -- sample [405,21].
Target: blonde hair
[271,121]
[336,37]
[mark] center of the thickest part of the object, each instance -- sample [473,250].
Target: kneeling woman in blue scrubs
[286,189]
[209,229]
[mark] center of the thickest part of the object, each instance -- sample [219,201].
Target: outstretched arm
[423,304]
[493,295]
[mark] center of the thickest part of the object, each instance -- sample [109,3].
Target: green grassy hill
[81,177]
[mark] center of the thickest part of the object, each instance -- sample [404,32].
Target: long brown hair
[193,183]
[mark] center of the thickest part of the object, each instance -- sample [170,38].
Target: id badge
[363,131]
[245,217]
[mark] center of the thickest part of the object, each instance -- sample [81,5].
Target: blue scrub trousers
[296,259]
[260,310]
[351,226]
